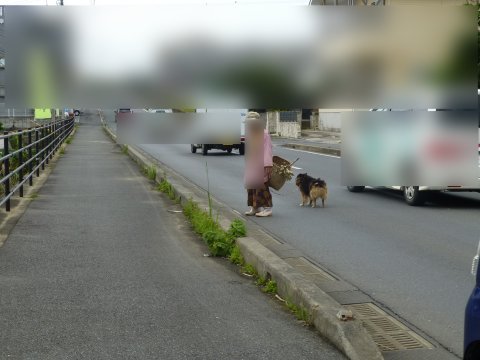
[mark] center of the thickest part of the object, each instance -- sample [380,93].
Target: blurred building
[388,2]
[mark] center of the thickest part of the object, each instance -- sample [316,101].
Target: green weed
[219,242]
[300,312]
[250,270]
[236,256]
[270,287]
[151,172]
[261,281]
[165,187]
[125,149]
[208,191]
[237,228]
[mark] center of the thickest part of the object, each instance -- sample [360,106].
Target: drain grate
[388,333]
[306,267]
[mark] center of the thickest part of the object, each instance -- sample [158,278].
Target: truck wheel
[355,188]
[204,149]
[193,148]
[413,196]
[229,150]
[241,149]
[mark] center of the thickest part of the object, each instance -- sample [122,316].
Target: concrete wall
[329,121]
[273,117]
[290,129]
[315,121]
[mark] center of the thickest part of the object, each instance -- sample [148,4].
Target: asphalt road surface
[98,268]
[414,260]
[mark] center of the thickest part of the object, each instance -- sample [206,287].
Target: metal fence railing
[27,151]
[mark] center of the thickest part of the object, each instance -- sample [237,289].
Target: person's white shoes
[251,211]
[264,213]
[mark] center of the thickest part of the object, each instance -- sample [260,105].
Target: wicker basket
[277,180]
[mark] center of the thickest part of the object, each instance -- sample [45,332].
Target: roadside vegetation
[221,243]
[150,172]
[165,187]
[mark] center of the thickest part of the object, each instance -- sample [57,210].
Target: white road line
[296,168]
[311,152]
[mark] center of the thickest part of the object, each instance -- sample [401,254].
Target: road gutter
[350,337]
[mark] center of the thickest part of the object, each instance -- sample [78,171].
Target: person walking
[258,166]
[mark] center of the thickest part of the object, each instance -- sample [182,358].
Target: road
[414,260]
[99,268]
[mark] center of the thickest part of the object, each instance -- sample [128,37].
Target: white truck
[240,146]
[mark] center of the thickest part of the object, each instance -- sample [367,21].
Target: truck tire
[193,148]
[241,149]
[413,196]
[204,149]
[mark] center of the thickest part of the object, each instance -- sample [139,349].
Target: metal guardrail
[34,148]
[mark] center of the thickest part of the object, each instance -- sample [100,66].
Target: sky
[160,2]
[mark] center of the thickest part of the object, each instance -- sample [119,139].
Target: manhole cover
[388,333]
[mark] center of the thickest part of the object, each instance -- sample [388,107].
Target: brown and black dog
[312,189]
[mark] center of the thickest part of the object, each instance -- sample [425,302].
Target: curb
[350,337]
[312,148]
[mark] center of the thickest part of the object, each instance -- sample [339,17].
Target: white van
[417,195]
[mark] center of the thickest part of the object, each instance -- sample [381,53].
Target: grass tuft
[270,287]
[300,312]
[236,256]
[250,270]
[125,149]
[150,172]
[165,187]
[219,242]
[261,281]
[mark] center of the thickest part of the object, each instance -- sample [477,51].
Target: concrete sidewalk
[99,268]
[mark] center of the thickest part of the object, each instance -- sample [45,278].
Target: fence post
[47,144]
[55,137]
[7,170]
[30,165]
[37,148]
[20,159]
[52,140]
[42,142]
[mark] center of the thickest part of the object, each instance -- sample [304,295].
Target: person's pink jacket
[255,175]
